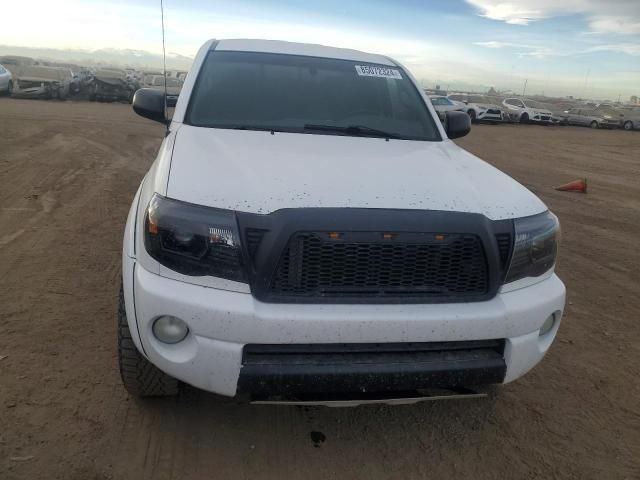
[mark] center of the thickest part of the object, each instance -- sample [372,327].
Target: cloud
[628,48]
[616,24]
[529,50]
[611,16]
[497,44]
[542,51]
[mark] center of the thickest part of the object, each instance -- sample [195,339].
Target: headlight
[193,240]
[536,246]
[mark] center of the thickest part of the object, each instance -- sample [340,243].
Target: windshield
[288,92]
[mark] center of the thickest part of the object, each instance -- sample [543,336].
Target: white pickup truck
[309,233]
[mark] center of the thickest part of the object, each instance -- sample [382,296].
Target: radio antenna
[164,67]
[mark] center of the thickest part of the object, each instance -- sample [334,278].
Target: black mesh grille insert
[423,265]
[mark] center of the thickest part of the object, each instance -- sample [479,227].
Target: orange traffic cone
[579,186]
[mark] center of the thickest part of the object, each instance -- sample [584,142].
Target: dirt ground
[68,172]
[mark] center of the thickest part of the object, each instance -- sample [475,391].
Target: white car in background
[443,105]
[527,110]
[478,108]
[6,81]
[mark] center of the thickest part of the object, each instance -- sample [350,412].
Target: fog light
[169,329]
[547,325]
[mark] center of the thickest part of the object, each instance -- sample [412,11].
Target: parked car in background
[591,117]
[478,108]
[174,86]
[527,110]
[443,105]
[631,119]
[6,81]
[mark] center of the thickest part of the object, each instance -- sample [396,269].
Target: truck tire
[628,125]
[139,376]
[594,124]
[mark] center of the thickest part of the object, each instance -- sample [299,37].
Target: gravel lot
[68,172]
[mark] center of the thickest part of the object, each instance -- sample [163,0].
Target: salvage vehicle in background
[527,110]
[309,233]
[76,82]
[478,108]
[6,81]
[173,85]
[111,85]
[592,117]
[37,81]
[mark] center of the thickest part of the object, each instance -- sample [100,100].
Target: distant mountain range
[106,56]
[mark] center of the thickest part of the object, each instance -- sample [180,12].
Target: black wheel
[524,118]
[593,124]
[139,376]
[10,88]
[628,125]
[472,115]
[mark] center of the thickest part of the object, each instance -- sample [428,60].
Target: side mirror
[457,124]
[149,103]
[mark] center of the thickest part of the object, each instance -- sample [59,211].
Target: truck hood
[261,172]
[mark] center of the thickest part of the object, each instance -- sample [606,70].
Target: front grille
[493,111]
[422,265]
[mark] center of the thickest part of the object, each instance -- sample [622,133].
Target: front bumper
[222,323]
[547,119]
[490,117]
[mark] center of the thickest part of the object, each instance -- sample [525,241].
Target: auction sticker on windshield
[375,71]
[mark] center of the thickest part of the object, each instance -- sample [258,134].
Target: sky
[588,48]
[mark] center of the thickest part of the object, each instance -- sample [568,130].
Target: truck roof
[305,49]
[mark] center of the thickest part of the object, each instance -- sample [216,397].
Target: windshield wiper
[250,127]
[357,130]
